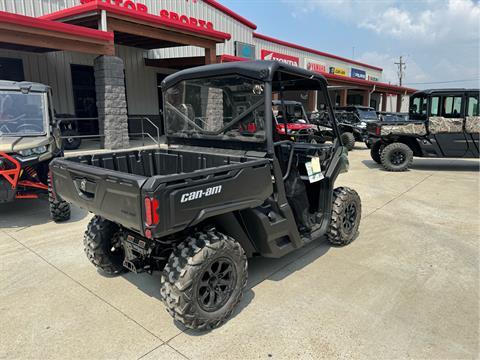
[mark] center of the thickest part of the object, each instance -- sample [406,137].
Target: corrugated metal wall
[54,69]
[304,56]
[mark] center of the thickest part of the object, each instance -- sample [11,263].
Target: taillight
[378,130]
[151,213]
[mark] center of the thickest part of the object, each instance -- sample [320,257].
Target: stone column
[366,98]
[214,109]
[343,97]
[111,102]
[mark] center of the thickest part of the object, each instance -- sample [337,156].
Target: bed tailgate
[114,195]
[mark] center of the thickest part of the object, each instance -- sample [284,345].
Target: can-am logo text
[272,55]
[195,195]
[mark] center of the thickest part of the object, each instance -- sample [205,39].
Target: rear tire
[102,246]
[375,151]
[348,140]
[59,209]
[396,157]
[204,279]
[71,143]
[346,216]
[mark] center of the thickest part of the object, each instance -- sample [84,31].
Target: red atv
[28,142]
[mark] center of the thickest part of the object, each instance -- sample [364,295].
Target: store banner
[372,78]
[244,50]
[358,74]
[272,55]
[316,67]
[338,71]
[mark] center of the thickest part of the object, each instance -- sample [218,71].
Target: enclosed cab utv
[443,123]
[29,140]
[224,190]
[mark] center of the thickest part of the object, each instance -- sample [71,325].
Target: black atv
[29,140]
[223,191]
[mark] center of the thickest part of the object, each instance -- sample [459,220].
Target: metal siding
[303,55]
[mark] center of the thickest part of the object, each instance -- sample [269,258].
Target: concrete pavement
[408,287]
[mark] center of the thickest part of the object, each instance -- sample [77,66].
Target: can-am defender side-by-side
[227,188]
[442,123]
[29,140]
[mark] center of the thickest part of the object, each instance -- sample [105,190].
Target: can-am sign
[272,55]
[337,71]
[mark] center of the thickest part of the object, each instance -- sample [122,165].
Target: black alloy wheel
[217,284]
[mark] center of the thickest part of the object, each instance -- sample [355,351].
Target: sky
[438,39]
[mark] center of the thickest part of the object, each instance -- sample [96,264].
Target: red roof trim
[368,83]
[230,13]
[231,58]
[153,19]
[303,48]
[43,24]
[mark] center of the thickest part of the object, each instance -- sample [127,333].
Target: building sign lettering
[372,78]
[316,67]
[358,74]
[272,55]
[123,3]
[187,20]
[338,71]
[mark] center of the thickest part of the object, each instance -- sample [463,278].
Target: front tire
[396,157]
[375,151]
[346,216]
[348,140]
[102,246]
[204,280]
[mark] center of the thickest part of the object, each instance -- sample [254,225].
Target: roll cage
[275,77]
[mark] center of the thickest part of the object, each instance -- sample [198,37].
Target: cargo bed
[187,186]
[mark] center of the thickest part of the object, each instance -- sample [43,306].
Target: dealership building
[105,59]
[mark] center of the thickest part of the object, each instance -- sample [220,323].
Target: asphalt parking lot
[408,287]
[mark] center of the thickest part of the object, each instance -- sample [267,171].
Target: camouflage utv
[442,123]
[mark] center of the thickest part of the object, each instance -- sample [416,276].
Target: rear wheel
[59,209]
[204,280]
[376,150]
[69,142]
[346,215]
[348,140]
[396,157]
[102,246]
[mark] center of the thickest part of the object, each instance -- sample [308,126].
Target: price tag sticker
[314,170]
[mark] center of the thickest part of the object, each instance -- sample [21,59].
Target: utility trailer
[227,188]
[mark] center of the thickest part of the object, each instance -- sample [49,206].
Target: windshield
[364,114]
[294,114]
[22,114]
[227,107]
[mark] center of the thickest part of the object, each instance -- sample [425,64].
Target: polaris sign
[358,74]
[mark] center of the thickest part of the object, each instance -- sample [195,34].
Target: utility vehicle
[224,190]
[442,123]
[29,140]
[292,123]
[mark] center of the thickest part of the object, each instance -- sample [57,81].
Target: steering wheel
[32,126]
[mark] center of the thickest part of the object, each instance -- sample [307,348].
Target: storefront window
[230,107]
